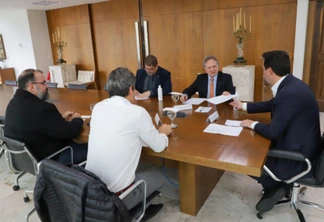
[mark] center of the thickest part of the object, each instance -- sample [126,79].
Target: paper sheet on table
[137,98]
[86,116]
[195,101]
[183,107]
[220,99]
[171,109]
[233,122]
[202,109]
[224,130]
[175,93]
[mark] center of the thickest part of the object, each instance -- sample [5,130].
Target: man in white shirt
[118,131]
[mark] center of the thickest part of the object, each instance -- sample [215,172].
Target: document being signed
[224,130]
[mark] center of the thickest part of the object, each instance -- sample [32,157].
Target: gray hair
[207,58]
[119,81]
[28,75]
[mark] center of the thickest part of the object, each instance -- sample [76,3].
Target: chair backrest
[51,84]
[319,173]
[86,76]
[77,86]
[19,158]
[11,82]
[65,193]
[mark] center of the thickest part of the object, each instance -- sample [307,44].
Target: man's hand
[165,129]
[67,115]
[247,123]
[144,94]
[75,115]
[183,97]
[237,104]
[225,93]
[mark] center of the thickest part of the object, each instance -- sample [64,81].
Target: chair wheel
[16,187]
[26,199]
[259,215]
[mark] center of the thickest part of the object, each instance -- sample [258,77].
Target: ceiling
[27,4]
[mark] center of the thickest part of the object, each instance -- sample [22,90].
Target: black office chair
[51,84]
[317,180]
[11,82]
[20,160]
[65,193]
[77,86]
[2,122]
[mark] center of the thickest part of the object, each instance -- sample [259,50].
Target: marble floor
[232,200]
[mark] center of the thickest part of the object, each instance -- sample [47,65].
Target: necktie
[211,88]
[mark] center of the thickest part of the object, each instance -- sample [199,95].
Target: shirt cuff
[244,106]
[253,124]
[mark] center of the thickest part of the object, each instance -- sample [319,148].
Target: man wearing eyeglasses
[32,120]
[149,78]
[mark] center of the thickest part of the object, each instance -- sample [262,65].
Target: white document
[224,130]
[171,109]
[233,122]
[137,98]
[183,107]
[220,99]
[175,93]
[202,109]
[85,116]
[195,101]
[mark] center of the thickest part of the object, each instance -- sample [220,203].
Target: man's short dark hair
[278,61]
[25,77]
[119,81]
[150,60]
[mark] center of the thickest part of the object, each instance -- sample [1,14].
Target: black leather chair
[11,82]
[51,84]
[316,180]
[2,122]
[20,160]
[62,193]
[77,86]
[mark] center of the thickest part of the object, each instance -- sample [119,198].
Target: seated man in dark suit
[149,78]
[32,120]
[210,84]
[294,125]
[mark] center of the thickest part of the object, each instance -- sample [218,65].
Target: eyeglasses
[43,83]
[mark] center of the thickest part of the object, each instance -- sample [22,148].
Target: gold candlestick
[59,42]
[240,32]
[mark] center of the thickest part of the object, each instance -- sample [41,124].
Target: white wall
[26,39]
[40,39]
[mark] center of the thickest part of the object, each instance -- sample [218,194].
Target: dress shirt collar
[275,87]
[120,100]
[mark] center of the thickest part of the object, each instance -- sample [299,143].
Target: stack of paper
[183,107]
[220,99]
[224,130]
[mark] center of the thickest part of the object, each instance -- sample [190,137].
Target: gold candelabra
[241,32]
[59,41]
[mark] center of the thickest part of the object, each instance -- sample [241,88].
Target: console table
[243,80]
[7,74]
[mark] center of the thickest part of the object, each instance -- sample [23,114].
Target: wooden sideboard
[7,74]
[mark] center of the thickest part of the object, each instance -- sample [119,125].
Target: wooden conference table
[201,157]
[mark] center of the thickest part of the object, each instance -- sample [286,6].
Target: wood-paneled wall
[181,34]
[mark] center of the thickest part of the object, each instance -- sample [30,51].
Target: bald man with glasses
[32,120]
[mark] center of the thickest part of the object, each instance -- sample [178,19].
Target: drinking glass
[175,98]
[172,115]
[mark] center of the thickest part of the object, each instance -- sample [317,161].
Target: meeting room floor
[232,200]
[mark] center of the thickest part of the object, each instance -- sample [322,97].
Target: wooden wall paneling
[220,4]
[309,41]
[269,32]
[114,36]
[176,41]
[75,23]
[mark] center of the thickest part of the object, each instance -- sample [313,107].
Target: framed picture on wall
[2,49]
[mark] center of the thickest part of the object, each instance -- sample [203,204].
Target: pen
[200,109]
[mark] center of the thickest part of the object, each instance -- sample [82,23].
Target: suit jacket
[39,124]
[224,83]
[294,124]
[162,77]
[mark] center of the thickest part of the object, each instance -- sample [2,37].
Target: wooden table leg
[196,183]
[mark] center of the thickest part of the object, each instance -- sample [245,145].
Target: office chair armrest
[82,163]
[60,151]
[289,155]
[129,190]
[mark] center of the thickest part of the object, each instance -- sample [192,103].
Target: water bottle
[160,93]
